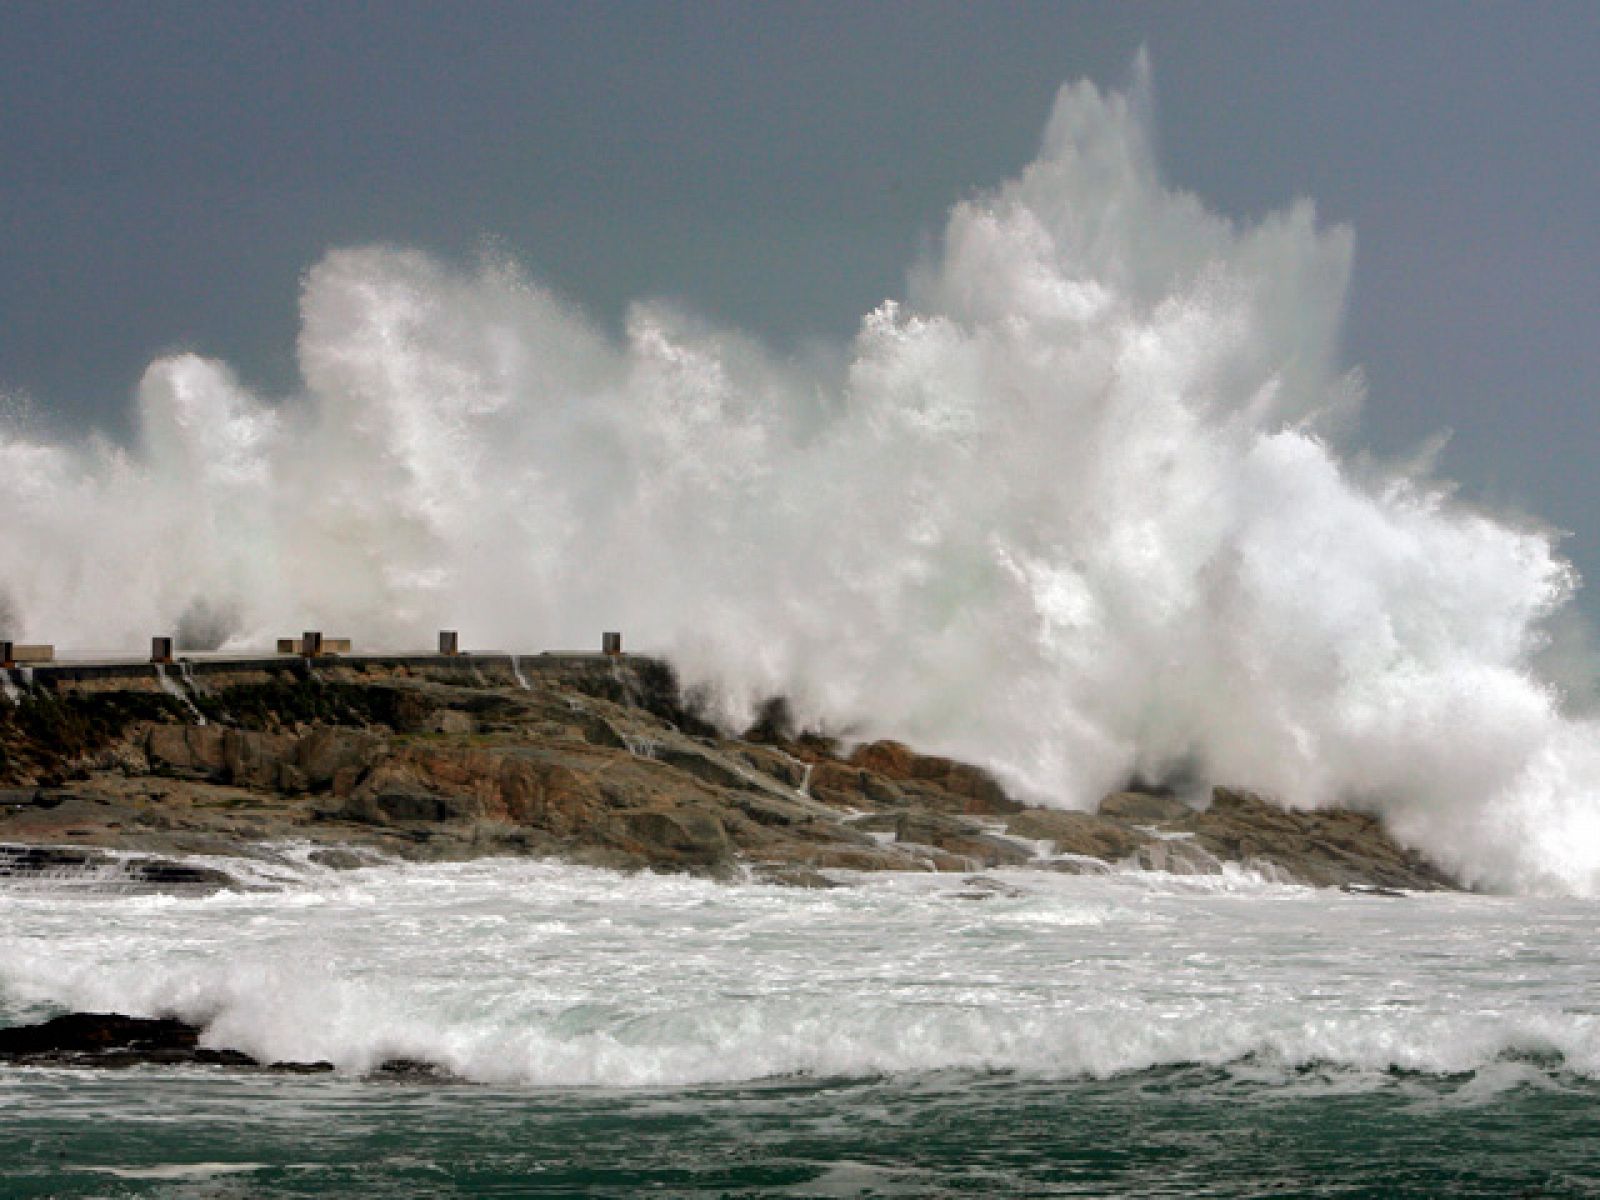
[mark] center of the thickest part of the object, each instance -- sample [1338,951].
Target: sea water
[1012,1033]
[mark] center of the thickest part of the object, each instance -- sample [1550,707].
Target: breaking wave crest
[543,975]
[1075,508]
[279,1015]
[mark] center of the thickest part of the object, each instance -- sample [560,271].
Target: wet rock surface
[113,1041]
[71,864]
[602,764]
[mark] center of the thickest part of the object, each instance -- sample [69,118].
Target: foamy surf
[535,975]
[176,1171]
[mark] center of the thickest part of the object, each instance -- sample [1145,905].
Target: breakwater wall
[201,672]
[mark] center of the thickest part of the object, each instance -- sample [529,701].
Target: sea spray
[172,688]
[1075,509]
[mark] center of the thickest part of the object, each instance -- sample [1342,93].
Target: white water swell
[1075,508]
[527,973]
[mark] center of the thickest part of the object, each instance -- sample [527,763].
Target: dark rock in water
[412,1070]
[74,865]
[336,859]
[958,837]
[1077,833]
[1323,848]
[165,875]
[112,1040]
[792,876]
[319,1067]
[1083,865]
[45,860]
[98,1036]
[1364,889]
[981,887]
[1178,857]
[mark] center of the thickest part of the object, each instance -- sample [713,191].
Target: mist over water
[1075,508]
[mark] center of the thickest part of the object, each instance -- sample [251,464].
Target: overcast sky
[168,171]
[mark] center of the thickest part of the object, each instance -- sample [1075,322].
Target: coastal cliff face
[596,762]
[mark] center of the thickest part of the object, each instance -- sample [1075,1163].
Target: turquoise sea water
[1011,1035]
[1183,1131]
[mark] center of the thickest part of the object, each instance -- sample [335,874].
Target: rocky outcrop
[1323,848]
[688,836]
[936,782]
[255,759]
[599,763]
[1085,835]
[1329,848]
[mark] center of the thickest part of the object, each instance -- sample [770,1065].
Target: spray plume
[1075,509]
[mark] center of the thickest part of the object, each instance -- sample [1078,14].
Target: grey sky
[167,171]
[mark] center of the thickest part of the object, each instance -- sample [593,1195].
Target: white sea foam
[1076,509]
[182,1171]
[522,973]
[172,688]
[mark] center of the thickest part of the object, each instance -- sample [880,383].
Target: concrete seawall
[501,670]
